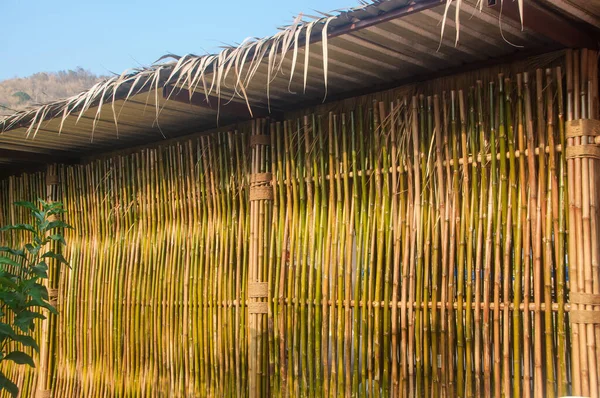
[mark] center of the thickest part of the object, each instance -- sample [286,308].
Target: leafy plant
[22,293]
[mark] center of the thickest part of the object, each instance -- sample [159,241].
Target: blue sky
[114,35]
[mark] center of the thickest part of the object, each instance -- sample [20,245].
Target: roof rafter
[548,23]
[229,108]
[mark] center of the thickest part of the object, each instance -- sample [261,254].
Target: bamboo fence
[437,244]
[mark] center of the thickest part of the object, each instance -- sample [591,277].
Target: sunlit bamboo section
[159,259]
[422,244]
[443,243]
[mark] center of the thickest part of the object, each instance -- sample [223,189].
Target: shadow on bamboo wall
[415,246]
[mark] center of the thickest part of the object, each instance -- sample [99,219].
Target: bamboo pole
[416,248]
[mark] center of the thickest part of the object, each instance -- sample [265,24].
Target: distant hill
[19,93]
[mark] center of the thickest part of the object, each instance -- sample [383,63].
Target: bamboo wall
[420,245]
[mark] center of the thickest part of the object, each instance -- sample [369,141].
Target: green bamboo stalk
[491,236]
[327,261]
[292,212]
[428,356]
[380,217]
[396,236]
[416,244]
[366,368]
[319,324]
[456,238]
[440,245]
[385,128]
[359,192]
[520,223]
[453,180]
[551,229]
[472,233]
[275,264]
[313,195]
[481,229]
[337,272]
[306,215]
[373,217]
[349,239]
[541,237]
[417,134]
[342,194]
[514,189]
[529,231]
[562,222]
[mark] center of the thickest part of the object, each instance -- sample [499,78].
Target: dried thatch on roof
[210,71]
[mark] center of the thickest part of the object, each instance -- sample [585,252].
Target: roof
[379,44]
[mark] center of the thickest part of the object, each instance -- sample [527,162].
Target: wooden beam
[223,106]
[424,77]
[37,158]
[547,23]
[411,8]
[18,169]
[586,15]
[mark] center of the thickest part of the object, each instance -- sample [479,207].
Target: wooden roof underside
[379,49]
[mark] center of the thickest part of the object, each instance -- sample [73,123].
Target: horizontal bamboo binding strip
[584,298]
[583,127]
[261,193]
[52,179]
[258,178]
[260,139]
[583,151]
[258,290]
[44,394]
[584,316]
[260,307]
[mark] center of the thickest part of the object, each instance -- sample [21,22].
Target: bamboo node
[584,298]
[258,289]
[260,139]
[259,307]
[43,394]
[261,193]
[583,151]
[583,127]
[584,316]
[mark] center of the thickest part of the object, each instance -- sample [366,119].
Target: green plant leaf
[57,224]
[14,252]
[37,290]
[27,205]
[27,341]
[7,282]
[20,358]
[6,330]
[19,227]
[21,292]
[24,320]
[57,256]
[8,261]
[40,270]
[8,385]
[34,250]
[57,238]
[36,302]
